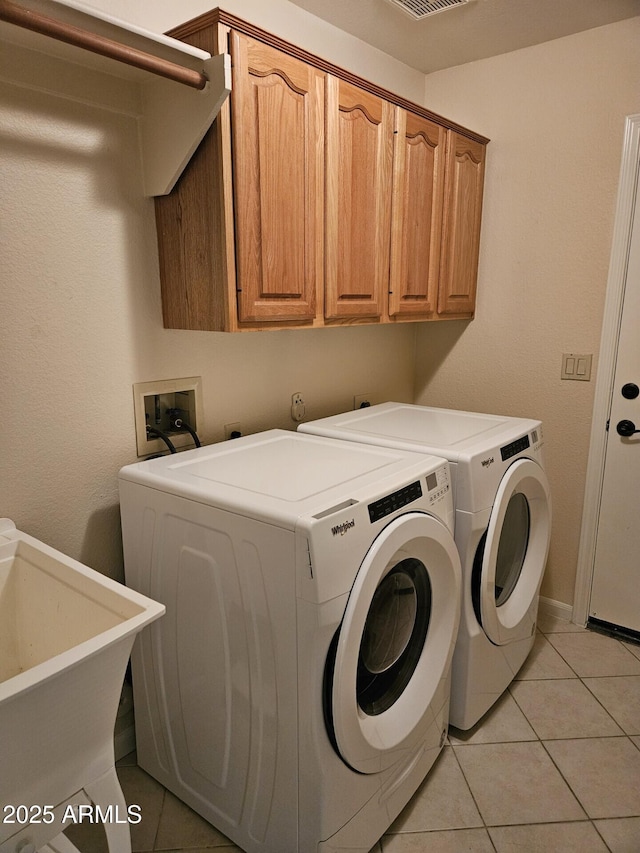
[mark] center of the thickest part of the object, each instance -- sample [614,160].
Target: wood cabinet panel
[416,224]
[461,225]
[278,173]
[195,239]
[190,225]
[317,198]
[358,201]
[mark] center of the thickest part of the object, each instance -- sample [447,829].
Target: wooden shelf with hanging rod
[174,119]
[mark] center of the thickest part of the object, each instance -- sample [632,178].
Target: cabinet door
[358,201]
[278,156]
[416,224]
[461,225]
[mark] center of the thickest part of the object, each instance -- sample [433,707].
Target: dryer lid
[280,475]
[446,432]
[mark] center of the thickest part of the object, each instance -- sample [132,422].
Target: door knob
[626,428]
[630,391]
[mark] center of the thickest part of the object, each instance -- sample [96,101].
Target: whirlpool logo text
[341,529]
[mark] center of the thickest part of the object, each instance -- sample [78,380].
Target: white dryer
[297,691]
[502,530]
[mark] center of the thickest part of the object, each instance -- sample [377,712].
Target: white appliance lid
[279,473]
[447,432]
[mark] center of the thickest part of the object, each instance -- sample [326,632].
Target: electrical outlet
[152,404]
[362,401]
[232,430]
[297,407]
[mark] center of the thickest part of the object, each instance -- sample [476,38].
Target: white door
[615,593]
[394,650]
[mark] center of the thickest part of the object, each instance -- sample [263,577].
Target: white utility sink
[66,634]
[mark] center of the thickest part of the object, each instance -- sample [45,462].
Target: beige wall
[555,114]
[80,317]
[289,22]
[80,314]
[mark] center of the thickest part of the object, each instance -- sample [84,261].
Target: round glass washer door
[395,644]
[515,553]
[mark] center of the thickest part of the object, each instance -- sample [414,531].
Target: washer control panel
[438,484]
[515,447]
[437,487]
[396,500]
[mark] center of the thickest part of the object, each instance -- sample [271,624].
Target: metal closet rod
[39,23]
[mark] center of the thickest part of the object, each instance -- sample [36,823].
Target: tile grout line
[624,734]
[562,776]
[476,804]
[568,784]
[155,837]
[588,817]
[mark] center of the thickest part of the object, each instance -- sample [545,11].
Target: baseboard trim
[557,609]
[124,742]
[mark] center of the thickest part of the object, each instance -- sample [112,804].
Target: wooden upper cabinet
[416,224]
[461,225]
[359,154]
[316,198]
[278,180]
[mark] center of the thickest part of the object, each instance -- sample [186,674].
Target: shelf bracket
[182,91]
[175,120]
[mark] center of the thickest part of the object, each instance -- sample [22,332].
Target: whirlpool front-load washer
[297,691]
[502,530]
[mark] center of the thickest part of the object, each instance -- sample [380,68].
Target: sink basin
[66,634]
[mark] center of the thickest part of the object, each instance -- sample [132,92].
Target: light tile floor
[554,767]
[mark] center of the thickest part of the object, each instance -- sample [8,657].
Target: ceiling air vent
[419,9]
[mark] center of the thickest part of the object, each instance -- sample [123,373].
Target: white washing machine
[297,690]
[502,530]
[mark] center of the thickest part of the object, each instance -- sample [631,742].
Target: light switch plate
[576,366]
